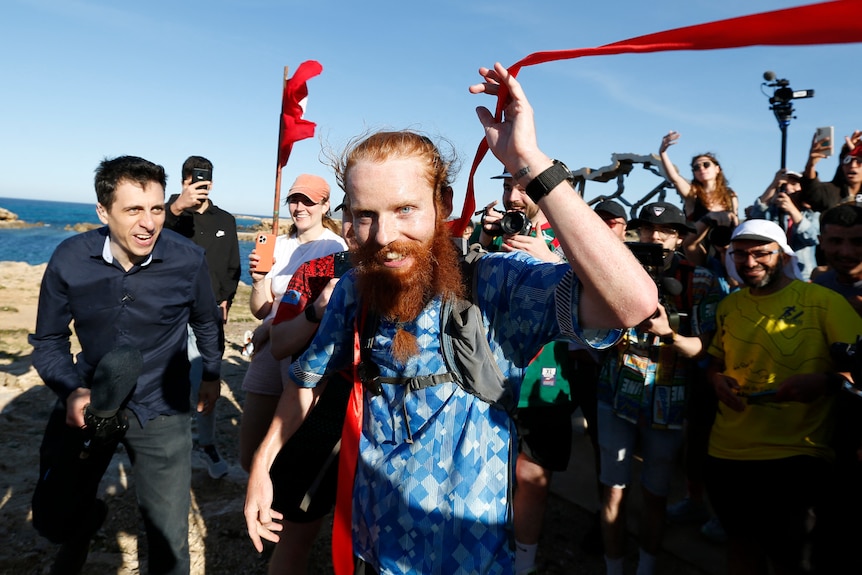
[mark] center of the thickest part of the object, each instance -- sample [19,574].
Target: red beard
[401,295]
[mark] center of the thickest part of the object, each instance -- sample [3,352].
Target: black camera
[512,223]
[782,96]
[341,263]
[651,257]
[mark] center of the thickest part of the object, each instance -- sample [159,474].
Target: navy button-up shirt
[147,307]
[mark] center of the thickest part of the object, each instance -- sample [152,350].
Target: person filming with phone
[847,181]
[192,214]
[781,203]
[312,234]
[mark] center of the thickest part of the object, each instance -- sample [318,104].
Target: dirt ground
[218,540]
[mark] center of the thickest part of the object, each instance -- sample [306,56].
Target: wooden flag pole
[277,200]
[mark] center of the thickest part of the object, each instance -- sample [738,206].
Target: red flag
[293,127]
[835,22]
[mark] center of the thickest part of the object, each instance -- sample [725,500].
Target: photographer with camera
[522,227]
[781,203]
[645,382]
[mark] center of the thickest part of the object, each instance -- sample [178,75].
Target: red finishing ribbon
[342,528]
[836,22]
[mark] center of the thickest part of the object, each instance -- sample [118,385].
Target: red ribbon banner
[837,22]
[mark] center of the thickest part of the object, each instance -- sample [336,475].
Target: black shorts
[545,435]
[767,502]
[307,465]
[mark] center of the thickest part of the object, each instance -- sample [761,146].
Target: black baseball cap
[502,176]
[662,214]
[341,205]
[611,207]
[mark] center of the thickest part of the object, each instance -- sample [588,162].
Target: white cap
[766,232]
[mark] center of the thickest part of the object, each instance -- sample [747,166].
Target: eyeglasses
[301,199]
[662,232]
[697,165]
[740,256]
[849,159]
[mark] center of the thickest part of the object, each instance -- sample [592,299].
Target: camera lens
[513,223]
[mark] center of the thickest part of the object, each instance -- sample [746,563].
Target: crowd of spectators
[427,395]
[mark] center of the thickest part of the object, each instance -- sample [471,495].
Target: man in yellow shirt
[769,452]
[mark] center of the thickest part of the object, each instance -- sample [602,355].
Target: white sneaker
[247,345]
[216,466]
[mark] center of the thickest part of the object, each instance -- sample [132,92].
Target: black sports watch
[311,314]
[539,186]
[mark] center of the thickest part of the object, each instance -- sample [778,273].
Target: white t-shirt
[289,254]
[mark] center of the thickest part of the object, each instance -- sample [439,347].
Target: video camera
[782,106]
[783,93]
[652,258]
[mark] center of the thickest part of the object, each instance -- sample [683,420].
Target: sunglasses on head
[704,164]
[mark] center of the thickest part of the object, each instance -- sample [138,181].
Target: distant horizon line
[2,198]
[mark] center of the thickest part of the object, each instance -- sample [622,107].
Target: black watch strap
[539,186]
[311,314]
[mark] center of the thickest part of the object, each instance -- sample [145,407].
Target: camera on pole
[782,105]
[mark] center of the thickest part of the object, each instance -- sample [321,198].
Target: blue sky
[88,79]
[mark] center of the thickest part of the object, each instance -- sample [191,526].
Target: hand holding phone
[196,193]
[265,250]
[824,137]
[201,175]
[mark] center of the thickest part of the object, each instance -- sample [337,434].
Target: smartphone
[826,135]
[265,248]
[201,175]
[766,396]
[341,261]
[762,393]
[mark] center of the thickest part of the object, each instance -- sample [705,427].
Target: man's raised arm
[617,291]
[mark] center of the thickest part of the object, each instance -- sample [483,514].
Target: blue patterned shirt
[432,491]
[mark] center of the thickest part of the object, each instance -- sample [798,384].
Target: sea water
[34,245]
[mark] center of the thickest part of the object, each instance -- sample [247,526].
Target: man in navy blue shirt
[131,283]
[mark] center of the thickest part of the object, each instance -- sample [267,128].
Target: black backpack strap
[467,353]
[368,371]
